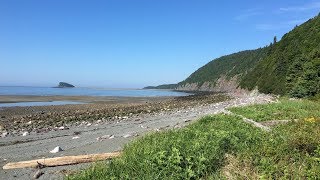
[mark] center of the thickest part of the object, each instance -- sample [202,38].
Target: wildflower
[311,120]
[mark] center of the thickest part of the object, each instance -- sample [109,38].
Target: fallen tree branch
[61,161]
[250,121]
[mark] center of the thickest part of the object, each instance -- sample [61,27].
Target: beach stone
[177,126]
[37,174]
[30,122]
[144,127]
[127,135]
[99,121]
[61,128]
[76,137]
[56,150]
[89,124]
[4,134]
[25,134]
[105,137]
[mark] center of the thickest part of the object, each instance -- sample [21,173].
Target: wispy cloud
[248,14]
[305,7]
[296,21]
[277,26]
[266,27]
[279,18]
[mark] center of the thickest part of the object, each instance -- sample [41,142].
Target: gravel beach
[101,126]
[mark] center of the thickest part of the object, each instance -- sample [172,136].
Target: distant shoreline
[15,92]
[85,99]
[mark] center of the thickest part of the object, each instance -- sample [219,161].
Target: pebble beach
[98,127]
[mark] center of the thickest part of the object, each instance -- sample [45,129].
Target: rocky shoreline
[97,135]
[19,121]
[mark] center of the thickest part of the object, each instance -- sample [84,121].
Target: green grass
[190,153]
[221,147]
[290,151]
[284,110]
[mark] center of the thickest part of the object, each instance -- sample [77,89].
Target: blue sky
[133,43]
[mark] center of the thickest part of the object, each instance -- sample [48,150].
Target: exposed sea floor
[48,103]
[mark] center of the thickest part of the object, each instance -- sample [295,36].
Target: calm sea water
[47,91]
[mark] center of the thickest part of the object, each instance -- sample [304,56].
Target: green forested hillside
[293,65]
[231,65]
[164,86]
[288,67]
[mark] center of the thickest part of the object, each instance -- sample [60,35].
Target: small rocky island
[65,85]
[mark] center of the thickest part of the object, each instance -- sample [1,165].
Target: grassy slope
[223,146]
[285,110]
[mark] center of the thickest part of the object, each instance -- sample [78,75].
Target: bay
[48,91]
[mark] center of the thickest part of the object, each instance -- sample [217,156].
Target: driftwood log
[61,161]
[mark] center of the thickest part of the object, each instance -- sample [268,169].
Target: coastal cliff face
[221,85]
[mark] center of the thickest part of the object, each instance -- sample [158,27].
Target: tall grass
[190,153]
[285,110]
[223,146]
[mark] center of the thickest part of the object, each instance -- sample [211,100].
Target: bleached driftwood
[61,161]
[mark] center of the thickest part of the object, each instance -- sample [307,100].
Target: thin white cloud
[305,7]
[266,27]
[248,14]
[283,25]
[296,21]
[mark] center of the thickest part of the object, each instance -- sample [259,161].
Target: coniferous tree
[275,40]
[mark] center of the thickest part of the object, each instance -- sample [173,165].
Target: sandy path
[36,146]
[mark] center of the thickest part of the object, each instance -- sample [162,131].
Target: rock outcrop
[65,85]
[221,85]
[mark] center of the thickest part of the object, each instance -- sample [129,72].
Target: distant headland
[64,85]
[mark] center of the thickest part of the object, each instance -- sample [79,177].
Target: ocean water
[47,91]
